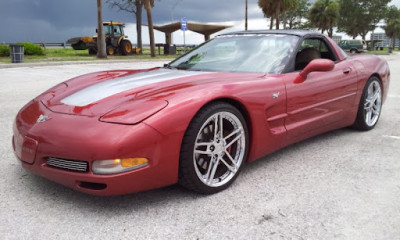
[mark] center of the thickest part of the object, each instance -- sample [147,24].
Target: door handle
[347,70]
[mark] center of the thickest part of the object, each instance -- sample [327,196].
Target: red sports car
[197,120]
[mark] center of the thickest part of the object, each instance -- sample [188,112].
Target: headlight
[118,165]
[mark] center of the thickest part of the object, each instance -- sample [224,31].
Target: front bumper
[87,139]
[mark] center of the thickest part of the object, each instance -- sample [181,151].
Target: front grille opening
[92,186]
[67,164]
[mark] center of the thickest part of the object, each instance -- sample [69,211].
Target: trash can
[390,49]
[172,49]
[169,49]
[166,49]
[17,53]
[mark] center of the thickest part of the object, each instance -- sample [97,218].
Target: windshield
[240,53]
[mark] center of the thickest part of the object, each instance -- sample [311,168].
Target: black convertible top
[297,32]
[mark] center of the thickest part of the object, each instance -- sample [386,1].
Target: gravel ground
[340,185]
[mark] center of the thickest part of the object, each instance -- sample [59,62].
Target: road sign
[183,24]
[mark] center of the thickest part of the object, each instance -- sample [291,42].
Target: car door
[324,100]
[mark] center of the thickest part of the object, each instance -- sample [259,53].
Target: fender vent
[72,165]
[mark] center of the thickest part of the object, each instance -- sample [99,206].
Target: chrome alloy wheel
[219,149]
[372,103]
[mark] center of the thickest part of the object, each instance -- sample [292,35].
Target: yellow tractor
[116,41]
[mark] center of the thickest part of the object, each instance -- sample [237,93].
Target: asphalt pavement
[340,185]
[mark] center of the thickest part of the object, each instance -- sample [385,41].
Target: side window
[117,30]
[310,49]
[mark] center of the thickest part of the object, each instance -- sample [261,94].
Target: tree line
[353,17]
[132,6]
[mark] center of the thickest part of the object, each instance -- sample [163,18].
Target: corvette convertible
[197,120]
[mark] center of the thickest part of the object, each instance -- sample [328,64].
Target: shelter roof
[202,28]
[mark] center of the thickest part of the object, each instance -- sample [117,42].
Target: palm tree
[392,24]
[295,17]
[324,15]
[101,41]
[268,9]
[282,6]
[392,30]
[148,4]
[273,8]
[134,7]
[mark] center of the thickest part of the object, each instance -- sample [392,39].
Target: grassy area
[384,51]
[69,54]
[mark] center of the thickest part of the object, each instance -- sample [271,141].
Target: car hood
[100,93]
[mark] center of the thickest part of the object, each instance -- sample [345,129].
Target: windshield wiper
[169,66]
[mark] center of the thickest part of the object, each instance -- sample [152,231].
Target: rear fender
[120,40]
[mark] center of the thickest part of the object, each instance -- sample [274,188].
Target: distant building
[336,38]
[385,40]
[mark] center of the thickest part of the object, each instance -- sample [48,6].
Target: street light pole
[245,21]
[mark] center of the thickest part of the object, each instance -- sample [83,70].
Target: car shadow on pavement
[292,151]
[40,189]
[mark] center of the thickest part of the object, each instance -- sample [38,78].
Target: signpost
[184,29]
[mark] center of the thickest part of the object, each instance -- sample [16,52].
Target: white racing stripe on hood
[108,88]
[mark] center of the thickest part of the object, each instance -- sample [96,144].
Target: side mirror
[316,65]
[97,30]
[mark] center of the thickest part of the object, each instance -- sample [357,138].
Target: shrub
[31,48]
[4,50]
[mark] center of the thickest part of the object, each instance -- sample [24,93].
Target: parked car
[354,45]
[197,120]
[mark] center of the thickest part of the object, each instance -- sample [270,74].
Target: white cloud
[395,2]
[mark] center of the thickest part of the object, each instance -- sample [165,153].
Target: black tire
[125,47]
[353,51]
[92,51]
[110,50]
[370,107]
[209,162]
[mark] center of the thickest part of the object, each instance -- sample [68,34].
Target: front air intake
[72,165]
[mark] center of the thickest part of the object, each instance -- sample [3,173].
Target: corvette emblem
[42,118]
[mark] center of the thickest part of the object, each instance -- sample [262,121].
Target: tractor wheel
[92,51]
[125,47]
[110,50]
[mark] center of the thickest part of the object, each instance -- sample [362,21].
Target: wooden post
[101,41]
[246,16]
